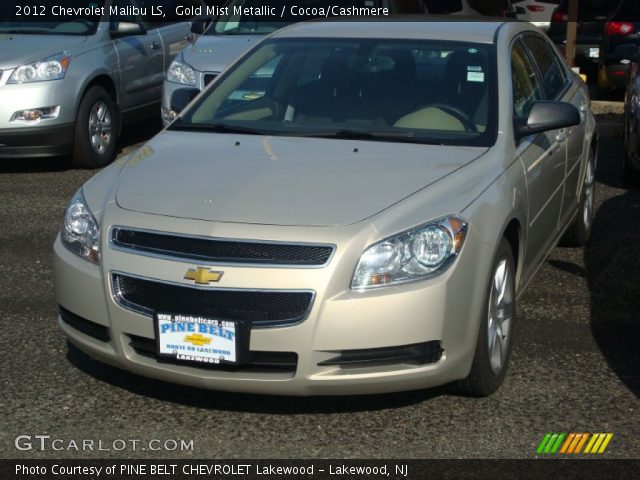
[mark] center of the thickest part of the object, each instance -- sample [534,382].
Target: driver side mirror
[546,115]
[126,29]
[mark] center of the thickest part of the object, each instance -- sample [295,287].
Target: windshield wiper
[181,125]
[363,135]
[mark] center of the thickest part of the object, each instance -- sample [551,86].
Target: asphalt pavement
[575,367]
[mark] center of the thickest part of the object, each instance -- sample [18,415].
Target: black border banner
[564,469]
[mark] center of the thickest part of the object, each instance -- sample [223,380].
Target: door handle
[561,136]
[155,46]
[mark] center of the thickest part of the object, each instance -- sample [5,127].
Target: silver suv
[67,87]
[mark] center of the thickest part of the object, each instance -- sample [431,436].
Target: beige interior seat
[430,118]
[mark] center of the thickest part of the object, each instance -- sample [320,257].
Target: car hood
[16,49]
[214,53]
[279,180]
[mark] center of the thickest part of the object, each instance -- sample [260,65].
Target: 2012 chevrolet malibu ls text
[364,224]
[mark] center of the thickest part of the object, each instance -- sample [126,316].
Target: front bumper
[40,141]
[42,138]
[438,313]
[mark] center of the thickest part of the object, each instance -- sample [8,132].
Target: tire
[630,175]
[96,131]
[579,231]
[495,335]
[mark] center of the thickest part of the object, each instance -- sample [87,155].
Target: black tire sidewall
[482,380]
[583,232]
[84,156]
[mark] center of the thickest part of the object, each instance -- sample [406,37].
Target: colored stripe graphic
[598,443]
[574,443]
[551,443]
[581,443]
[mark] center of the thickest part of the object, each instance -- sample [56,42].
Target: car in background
[592,16]
[68,87]
[619,46]
[230,35]
[537,12]
[631,158]
[365,223]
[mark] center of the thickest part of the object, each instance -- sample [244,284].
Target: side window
[554,78]
[132,7]
[526,86]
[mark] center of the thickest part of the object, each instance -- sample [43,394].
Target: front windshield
[391,90]
[38,17]
[251,17]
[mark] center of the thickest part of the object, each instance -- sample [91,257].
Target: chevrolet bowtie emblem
[203,276]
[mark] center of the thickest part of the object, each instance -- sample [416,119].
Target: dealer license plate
[191,338]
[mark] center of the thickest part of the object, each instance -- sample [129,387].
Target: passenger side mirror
[546,115]
[125,29]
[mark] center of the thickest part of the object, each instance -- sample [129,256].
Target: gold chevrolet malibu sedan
[350,208]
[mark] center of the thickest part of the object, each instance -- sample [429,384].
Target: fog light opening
[169,115]
[36,114]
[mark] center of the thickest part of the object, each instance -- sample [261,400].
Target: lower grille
[418,354]
[92,329]
[261,362]
[259,307]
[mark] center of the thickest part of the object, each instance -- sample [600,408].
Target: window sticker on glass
[475,77]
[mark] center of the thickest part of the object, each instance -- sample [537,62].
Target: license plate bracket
[202,340]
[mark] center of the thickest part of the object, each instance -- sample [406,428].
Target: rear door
[141,61]
[175,35]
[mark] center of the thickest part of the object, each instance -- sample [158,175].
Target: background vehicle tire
[630,176]
[495,336]
[579,231]
[96,132]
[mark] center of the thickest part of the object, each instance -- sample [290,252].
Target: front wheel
[579,231]
[97,126]
[495,335]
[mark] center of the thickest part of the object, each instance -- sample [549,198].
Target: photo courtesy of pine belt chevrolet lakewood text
[349,208]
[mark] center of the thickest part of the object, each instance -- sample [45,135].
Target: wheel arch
[513,233]
[104,80]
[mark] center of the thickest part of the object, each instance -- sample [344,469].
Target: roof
[405,27]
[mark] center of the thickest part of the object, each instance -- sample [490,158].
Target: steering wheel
[458,113]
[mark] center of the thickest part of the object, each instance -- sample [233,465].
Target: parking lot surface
[575,368]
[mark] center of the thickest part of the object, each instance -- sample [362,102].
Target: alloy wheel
[587,211]
[501,309]
[100,127]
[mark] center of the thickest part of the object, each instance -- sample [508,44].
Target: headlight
[410,255]
[81,233]
[50,68]
[181,73]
